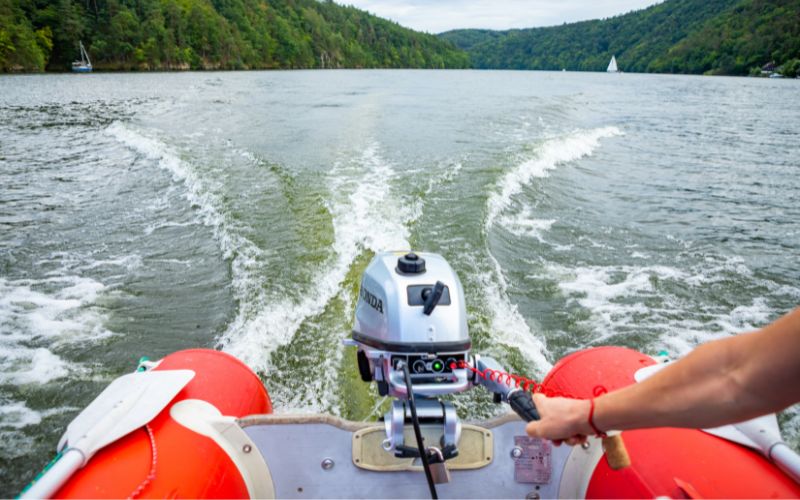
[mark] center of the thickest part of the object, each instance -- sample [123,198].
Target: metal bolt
[585,445]
[247,448]
[516,452]
[327,464]
[532,496]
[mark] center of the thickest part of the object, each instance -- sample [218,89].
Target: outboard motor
[411,310]
[411,331]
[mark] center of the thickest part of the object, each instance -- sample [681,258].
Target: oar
[128,403]
[762,434]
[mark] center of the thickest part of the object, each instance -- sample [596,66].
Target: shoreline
[172,71]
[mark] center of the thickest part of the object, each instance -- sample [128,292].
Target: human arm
[720,382]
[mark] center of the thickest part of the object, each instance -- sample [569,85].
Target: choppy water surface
[142,214]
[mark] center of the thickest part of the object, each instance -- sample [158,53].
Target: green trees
[791,68]
[210,34]
[23,47]
[749,35]
[676,36]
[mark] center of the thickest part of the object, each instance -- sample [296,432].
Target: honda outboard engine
[411,331]
[411,309]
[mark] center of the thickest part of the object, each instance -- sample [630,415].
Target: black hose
[418,433]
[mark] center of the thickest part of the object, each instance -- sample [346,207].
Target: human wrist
[580,418]
[600,417]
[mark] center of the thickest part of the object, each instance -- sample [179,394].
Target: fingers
[533,429]
[560,420]
[576,440]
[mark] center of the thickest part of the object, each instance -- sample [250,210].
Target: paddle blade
[128,403]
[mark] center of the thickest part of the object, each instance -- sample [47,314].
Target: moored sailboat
[85,64]
[612,65]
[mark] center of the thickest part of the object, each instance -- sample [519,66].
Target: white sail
[612,66]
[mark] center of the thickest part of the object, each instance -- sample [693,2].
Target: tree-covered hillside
[740,40]
[210,34]
[678,36]
[733,37]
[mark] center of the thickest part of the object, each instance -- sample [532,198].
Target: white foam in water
[200,192]
[129,262]
[550,155]
[263,322]
[508,326]
[623,299]
[524,224]
[246,257]
[597,289]
[685,334]
[22,365]
[366,216]
[16,415]
[413,207]
[151,228]
[49,312]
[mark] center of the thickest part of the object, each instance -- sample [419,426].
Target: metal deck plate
[314,459]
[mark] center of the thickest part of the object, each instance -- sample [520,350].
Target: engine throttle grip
[522,403]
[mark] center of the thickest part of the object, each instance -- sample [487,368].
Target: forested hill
[733,37]
[210,34]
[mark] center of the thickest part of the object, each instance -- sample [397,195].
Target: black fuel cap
[411,263]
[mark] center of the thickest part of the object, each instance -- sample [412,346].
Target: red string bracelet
[597,431]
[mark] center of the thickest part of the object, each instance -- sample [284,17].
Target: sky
[435,16]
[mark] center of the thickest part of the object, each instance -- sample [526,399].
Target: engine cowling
[411,309]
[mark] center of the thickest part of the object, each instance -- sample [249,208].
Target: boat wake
[207,196]
[549,156]
[366,216]
[508,325]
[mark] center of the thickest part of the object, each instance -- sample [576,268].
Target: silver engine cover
[386,317]
[390,324]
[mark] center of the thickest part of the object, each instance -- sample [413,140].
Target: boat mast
[85,55]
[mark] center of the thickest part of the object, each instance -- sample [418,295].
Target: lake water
[145,213]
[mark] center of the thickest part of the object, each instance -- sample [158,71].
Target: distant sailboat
[85,64]
[612,66]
